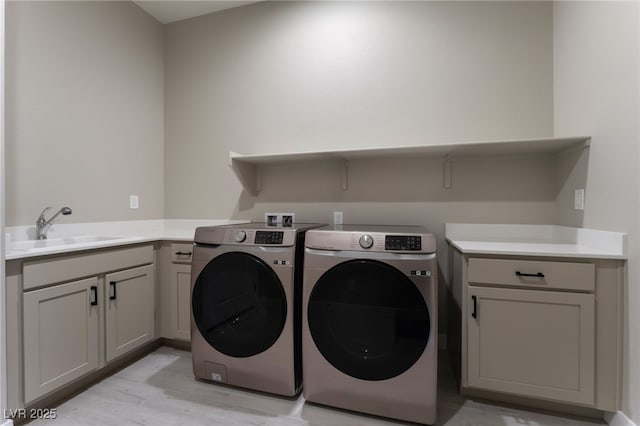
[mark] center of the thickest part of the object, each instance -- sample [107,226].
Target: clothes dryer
[246,306]
[370,320]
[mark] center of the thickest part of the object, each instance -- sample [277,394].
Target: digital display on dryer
[403,242]
[269,237]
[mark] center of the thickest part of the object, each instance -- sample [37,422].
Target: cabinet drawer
[181,252]
[532,274]
[50,270]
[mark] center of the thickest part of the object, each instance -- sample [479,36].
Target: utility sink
[33,245]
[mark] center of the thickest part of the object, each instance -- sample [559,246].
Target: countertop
[124,233]
[536,240]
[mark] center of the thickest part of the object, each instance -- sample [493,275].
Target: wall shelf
[246,167]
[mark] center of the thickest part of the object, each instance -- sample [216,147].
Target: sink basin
[30,245]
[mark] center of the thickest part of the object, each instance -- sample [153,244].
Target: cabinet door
[60,335]
[129,313]
[533,343]
[181,301]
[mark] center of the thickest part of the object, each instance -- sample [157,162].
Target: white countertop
[127,232]
[536,240]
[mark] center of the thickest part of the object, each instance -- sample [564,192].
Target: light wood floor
[160,390]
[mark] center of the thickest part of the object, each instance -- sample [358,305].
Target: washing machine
[369,332]
[246,283]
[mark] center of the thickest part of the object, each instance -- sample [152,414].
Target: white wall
[84,110]
[597,92]
[296,76]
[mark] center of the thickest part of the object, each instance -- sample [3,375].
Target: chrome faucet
[42,225]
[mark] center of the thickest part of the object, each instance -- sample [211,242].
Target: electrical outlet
[578,199]
[134,201]
[337,218]
[284,219]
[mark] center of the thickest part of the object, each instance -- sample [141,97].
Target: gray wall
[277,76]
[597,92]
[84,110]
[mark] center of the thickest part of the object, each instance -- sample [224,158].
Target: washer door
[239,304]
[368,319]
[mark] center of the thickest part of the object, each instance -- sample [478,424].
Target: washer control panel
[403,242]
[269,237]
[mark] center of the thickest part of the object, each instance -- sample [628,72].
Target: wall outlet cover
[284,219]
[338,218]
[134,202]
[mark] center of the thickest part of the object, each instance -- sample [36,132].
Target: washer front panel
[239,305]
[368,319]
[272,370]
[410,395]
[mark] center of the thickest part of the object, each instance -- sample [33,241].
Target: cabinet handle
[94,295]
[113,290]
[522,274]
[179,253]
[474,314]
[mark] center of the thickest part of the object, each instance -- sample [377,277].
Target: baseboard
[618,419]
[176,344]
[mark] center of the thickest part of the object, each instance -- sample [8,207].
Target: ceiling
[166,11]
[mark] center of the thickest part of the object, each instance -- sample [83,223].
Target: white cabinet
[74,325]
[180,291]
[129,313]
[60,335]
[533,343]
[540,331]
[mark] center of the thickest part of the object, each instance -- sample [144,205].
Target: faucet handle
[46,209]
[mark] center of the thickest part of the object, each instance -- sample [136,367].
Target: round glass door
[368,319]
[239,305]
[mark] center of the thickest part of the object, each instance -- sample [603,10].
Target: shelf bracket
[344,173]
[258,179]
[247,173]
[448,172]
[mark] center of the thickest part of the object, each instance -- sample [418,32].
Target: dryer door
[239,304]
[368,319]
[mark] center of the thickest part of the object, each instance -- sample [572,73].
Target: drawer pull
[522,274]
[113,288]
[94,295]
[474,314]
[180,253]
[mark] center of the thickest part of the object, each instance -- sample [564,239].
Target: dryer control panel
[269,237]
[372,238]
[403,242]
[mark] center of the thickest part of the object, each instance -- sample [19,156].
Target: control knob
[240,236]
[366,241]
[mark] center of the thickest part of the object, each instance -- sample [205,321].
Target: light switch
[133,201]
